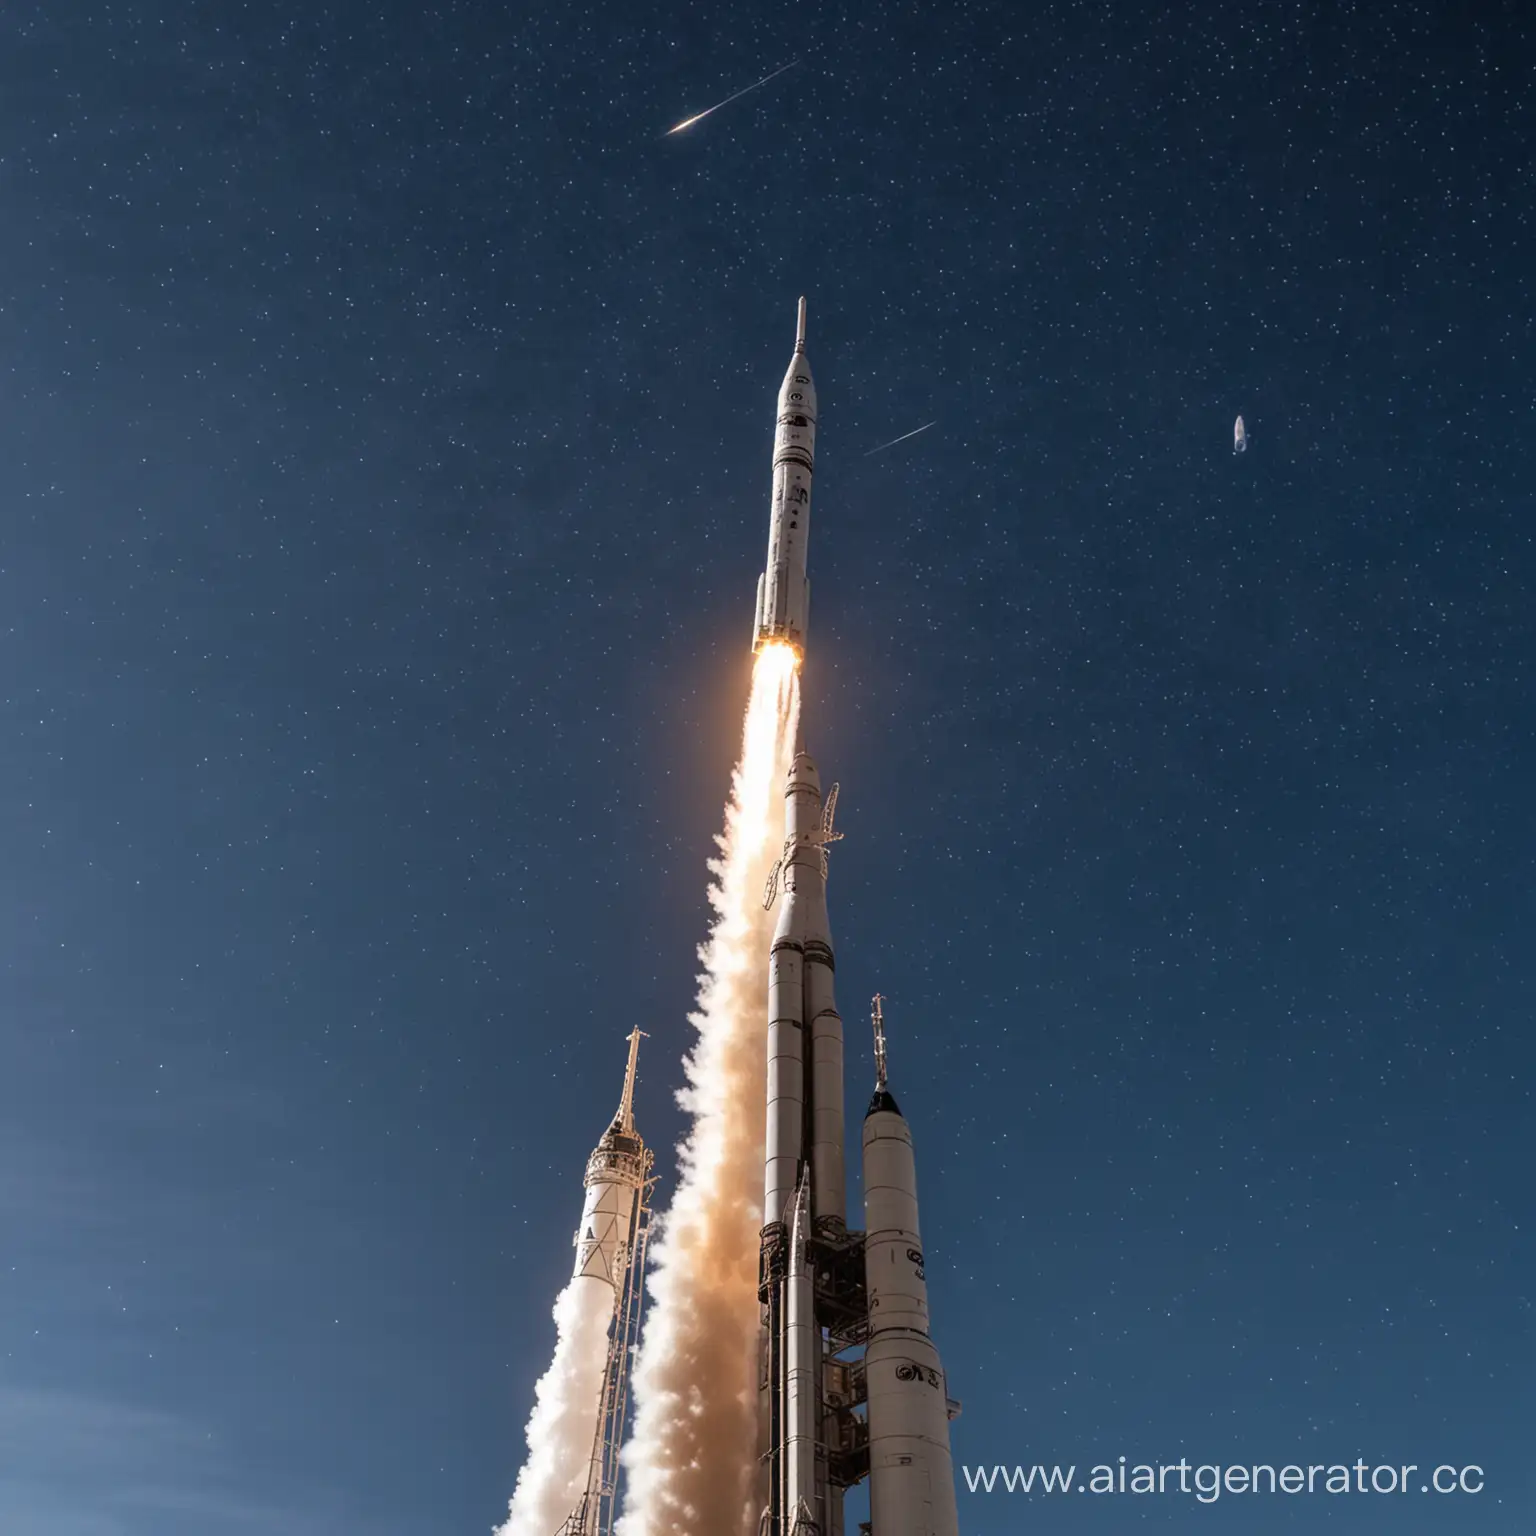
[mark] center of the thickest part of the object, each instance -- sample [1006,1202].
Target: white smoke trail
[689,1463]
[564,1416]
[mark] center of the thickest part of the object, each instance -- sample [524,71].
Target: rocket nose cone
[798,391]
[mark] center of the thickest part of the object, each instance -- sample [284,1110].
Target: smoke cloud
[564,1416]
[689,1462]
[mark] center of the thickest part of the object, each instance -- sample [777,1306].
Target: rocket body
[606,1260]
[805,1031]
[602,1241]
[804,1188]
[911,1475]
[784,590]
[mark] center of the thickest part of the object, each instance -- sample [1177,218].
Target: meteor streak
[699,117]
[904,436]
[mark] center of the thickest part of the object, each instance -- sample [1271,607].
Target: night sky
[386,411]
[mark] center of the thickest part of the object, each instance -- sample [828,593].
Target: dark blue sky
[385,415]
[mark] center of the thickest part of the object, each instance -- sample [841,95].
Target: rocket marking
[904,436]
[699,117]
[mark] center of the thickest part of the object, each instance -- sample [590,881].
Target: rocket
[784,590]
[911,1475]
[851,1380]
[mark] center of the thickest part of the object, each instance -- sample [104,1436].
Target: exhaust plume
[689,1463]
[564,1417]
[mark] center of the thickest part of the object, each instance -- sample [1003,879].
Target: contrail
[692,1458]
[904,436]
[699,117]
[564,1416]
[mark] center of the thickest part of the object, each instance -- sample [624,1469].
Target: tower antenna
[626,1115]
[878,1020]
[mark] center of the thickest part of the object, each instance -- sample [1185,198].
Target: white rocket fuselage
[911,1476]
[607,1216]
[804,1189]
[604,1249]
[805,1031]
[784,590]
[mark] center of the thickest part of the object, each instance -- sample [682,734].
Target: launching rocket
[851,1382]
[783,590]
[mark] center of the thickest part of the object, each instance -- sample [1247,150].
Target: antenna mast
[878,1019]
[626,1116]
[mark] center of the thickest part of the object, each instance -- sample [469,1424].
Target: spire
[625,1118]
[800,328]
[879,1023]
[882,1102]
